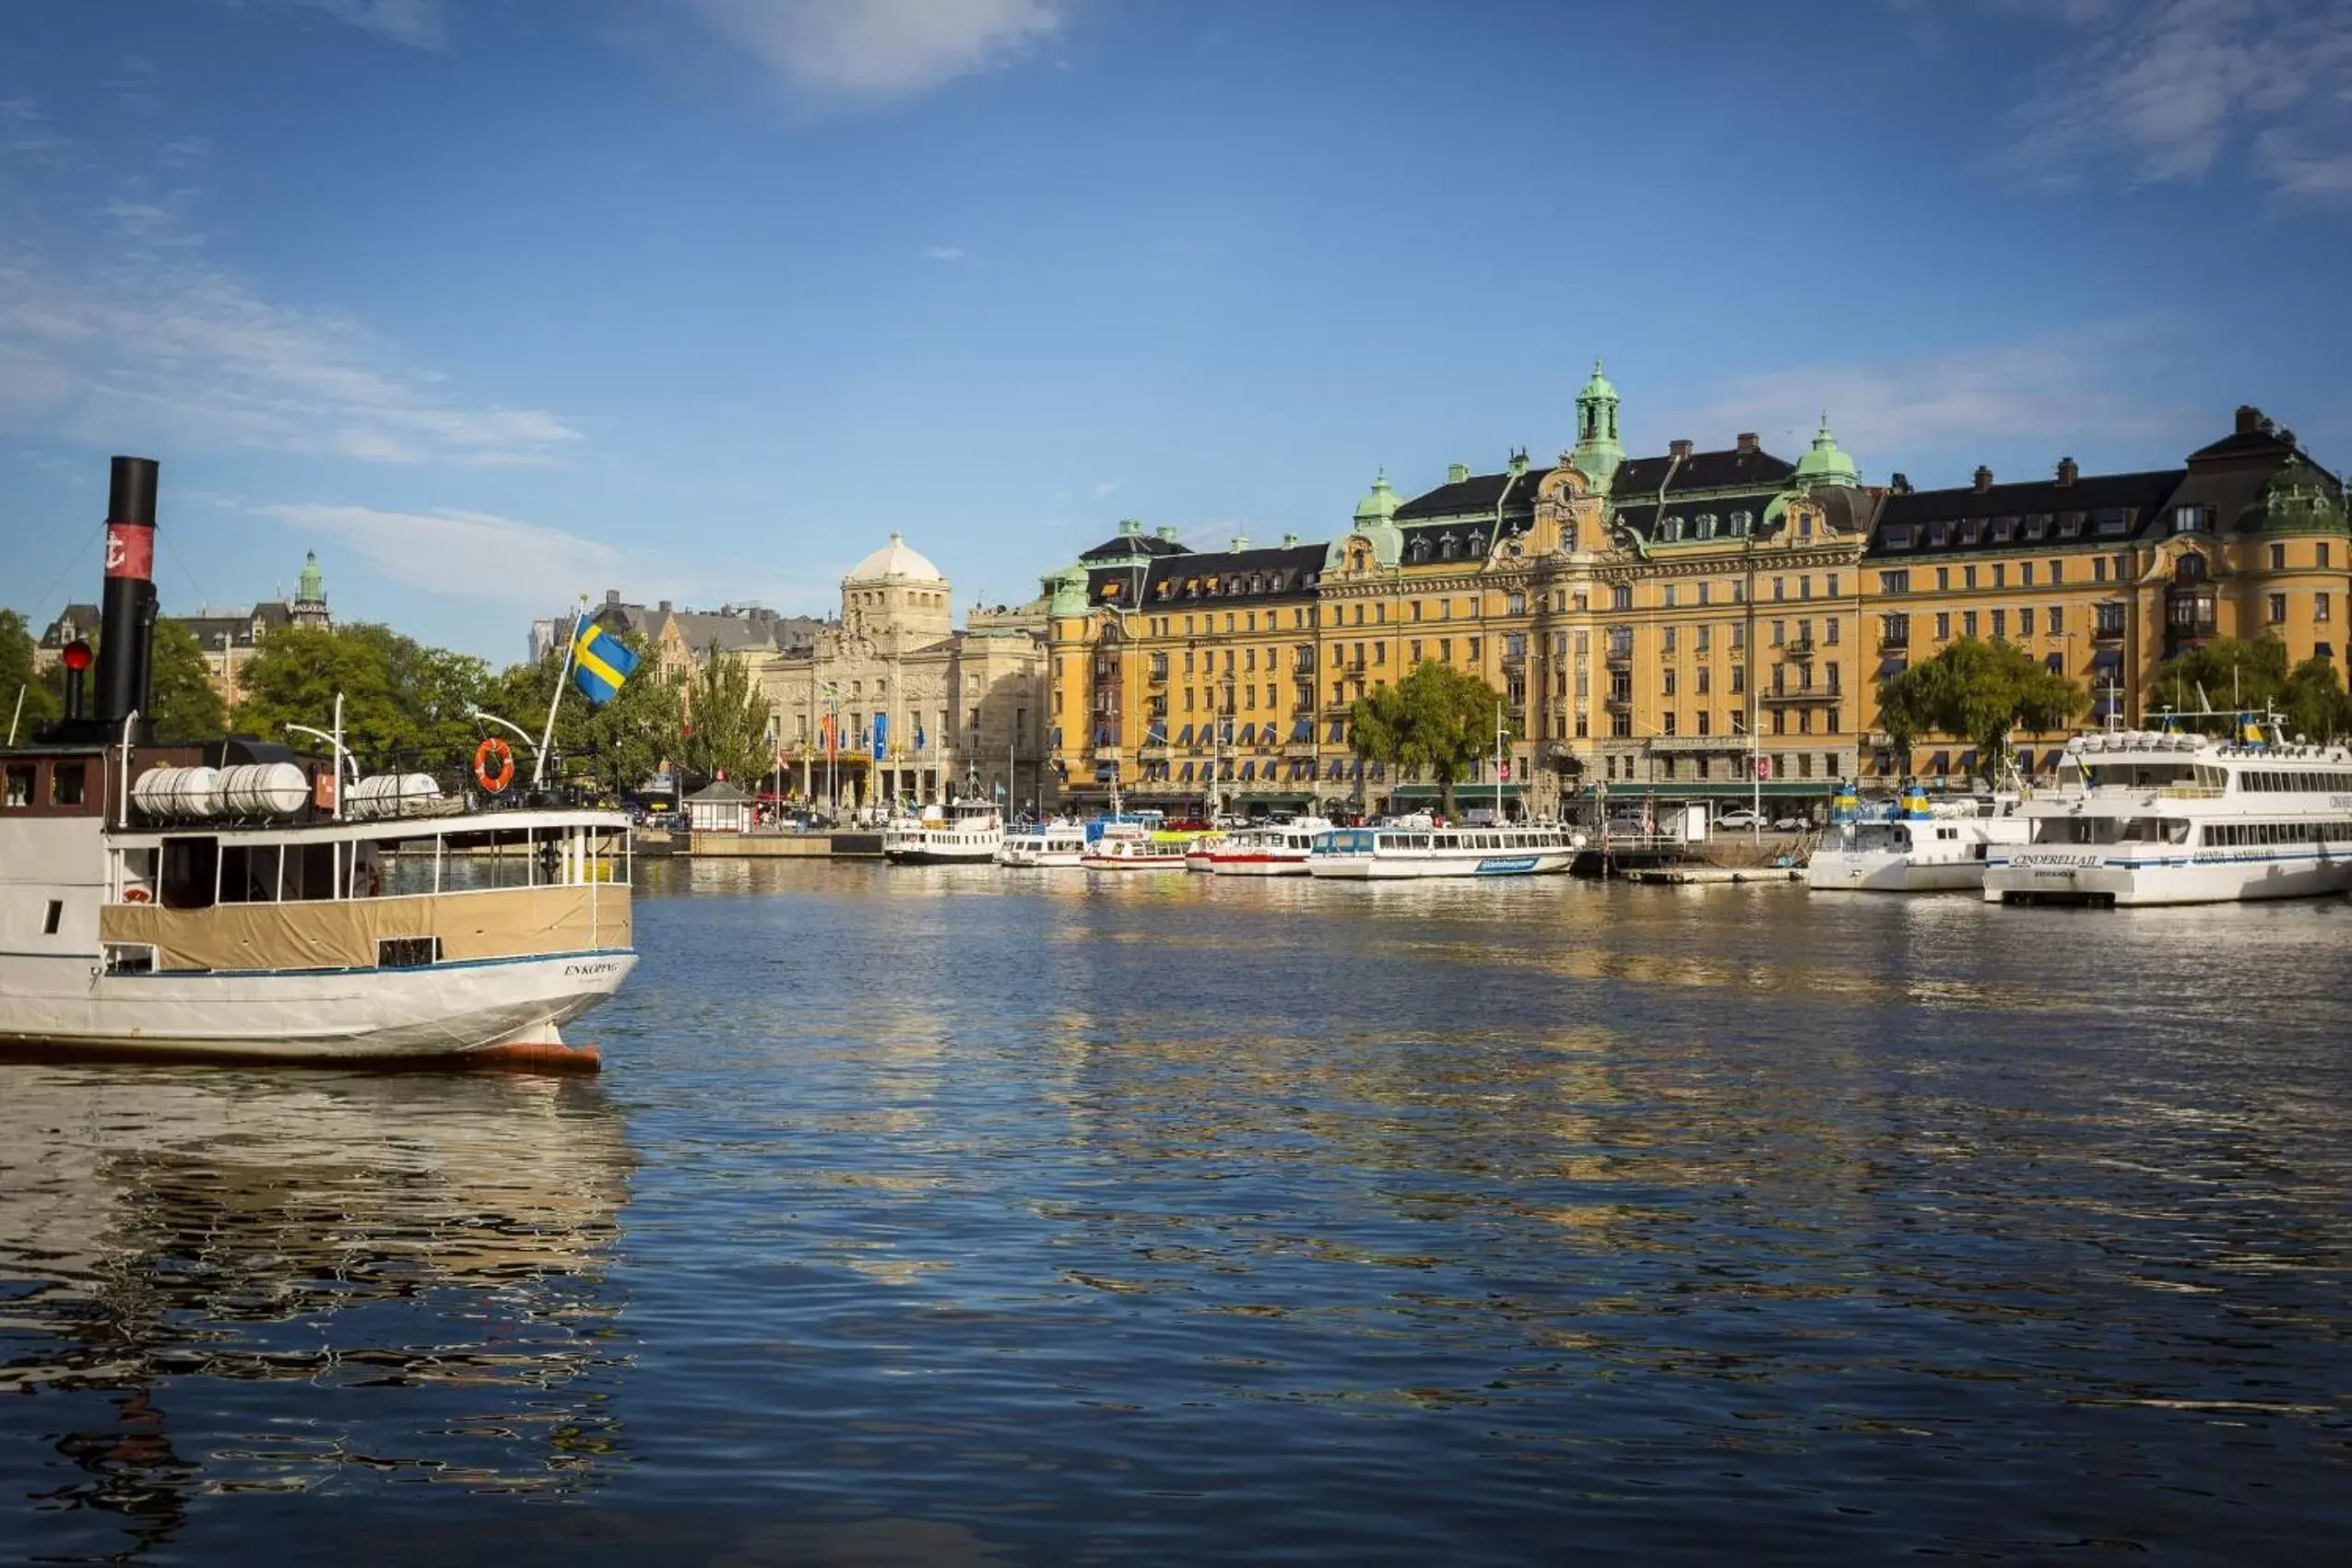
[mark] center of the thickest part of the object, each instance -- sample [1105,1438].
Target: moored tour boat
[1049,845]
[964,832]
[1136,846]
[2166,818]
[236,901]
[1913,846]
[1415,846]
[1271,849]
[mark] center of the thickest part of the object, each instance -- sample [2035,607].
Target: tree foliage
[2229,673]
[2314,701]
[727,721]
[187,706]
[41,704]
[405,705]
[1982,692]
[612,749]
[1438,719]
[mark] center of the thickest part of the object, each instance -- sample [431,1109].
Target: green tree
[1438,719]
[41,704]
[1981,692]
[2314,701]
[1900,719]
[727,721]
[187,706]
[612,750]
[405,705]
[2231,673]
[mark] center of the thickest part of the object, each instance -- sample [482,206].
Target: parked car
[1791,825]
[1738,819]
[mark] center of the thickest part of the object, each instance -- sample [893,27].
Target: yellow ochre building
[1680,622]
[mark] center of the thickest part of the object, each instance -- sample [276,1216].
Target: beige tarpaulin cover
[506,922]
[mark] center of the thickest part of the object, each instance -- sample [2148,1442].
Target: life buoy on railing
[136,895]
[498,781]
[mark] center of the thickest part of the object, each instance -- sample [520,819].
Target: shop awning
[1940,763]
[1892,665]
[2323,650]
[1302,730]
[1184,735]
[1249,770]
[1186,773]
[2107,658]
[1968,761]
[2056,664]
[1156,734]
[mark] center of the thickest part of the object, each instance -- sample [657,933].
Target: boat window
[65,781]
[19,786]
[408,952]
[249,873]
[49,921]
[191,867]
[129,958]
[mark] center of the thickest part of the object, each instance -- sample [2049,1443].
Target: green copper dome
[1598,451]
[1598,387]
[1380,505]
[1825,464]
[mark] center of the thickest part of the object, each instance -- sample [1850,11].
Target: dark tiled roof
[2136,498]
[85,619]
[1729,470]
[1126,547]
[1288,571]
[209,628]
[1471,536]
[2254,445]
[1476,496]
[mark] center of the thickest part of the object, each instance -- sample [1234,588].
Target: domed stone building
[918,710]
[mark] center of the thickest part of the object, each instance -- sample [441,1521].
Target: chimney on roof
[1899,484]
[1241,542]
[612,596]
[1167,532]
[1679,448]
[1290,541]
[665,606]
[1129,526]
[1519,460]
[1457,472]
[1984,479]
[2068,472]
[1745,441]
[2249,418]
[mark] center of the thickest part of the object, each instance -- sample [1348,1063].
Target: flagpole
[547,737]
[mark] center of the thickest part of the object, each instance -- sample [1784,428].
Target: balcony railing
[1798,648]
[1618,705]
[2107,632]
[1894,642]
[1616,656]
[1802,694]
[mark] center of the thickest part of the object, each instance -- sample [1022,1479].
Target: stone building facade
[1684,623]
[919,711]
[229,638]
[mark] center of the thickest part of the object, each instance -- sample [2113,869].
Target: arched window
[1448,547]
[1478,544]
[1707,522]
[1419,550]
[1621,597]
[2189,568]
[1670,529]
[1742,521]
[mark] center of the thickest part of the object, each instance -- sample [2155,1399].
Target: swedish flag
[600,661]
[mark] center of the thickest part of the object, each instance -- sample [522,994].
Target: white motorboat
[1135,846]
[1270,849]
[1051,846]
[962,832]
[1416,847]
[2170,819]
[237,900]
[1913,846]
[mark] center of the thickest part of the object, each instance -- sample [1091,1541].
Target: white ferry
[1135,846]
[1271,849]
[1415,847]
[2162,818]
[1912,846]
[1053,846]
[964,832]
[234,901]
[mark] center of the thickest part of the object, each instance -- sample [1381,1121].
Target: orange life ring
[489,748]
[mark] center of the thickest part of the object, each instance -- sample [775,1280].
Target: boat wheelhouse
[1267,849]
[2172,819]
[964,832]
[1417,847]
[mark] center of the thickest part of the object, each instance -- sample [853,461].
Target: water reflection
[426,1255]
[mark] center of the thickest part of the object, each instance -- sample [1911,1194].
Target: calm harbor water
[958,1217]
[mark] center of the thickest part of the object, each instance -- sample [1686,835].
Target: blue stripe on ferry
[370,969]
[2221,860]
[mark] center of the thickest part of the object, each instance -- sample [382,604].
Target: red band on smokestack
[130,551]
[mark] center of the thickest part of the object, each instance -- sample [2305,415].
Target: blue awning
[1249,770]
[2106,707]
[1184,735]
[1940,763]
[1156,732]
[1302,730]
[1968,761]
[2107,658]
[2056,664]
[1248,732]
[1186,774]
[1892,665]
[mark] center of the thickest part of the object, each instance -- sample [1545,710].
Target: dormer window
[2188,519]
[2003,530]
[1971,532]
[1419,551]
[2111,521]
[1706,524]
[1478,544]
[1257,583]
[1897,536]
[1670,529]
[1742,521]
[1448,547]
[1939,533]
[2037,526]
[2070,525]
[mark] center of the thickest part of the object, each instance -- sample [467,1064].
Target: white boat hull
[1832,871]
[330,1015]
[1480,863]
[935,854]
[2196,877]
[1258,865]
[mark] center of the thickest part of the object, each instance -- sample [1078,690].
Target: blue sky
[492,302]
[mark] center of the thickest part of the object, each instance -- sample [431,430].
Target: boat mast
[1498,762]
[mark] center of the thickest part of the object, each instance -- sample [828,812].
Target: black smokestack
[126,673]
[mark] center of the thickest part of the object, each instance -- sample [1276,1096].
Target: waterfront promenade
[923,1218]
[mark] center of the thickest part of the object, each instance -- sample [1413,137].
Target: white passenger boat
[236,901]
[962,832]
[1134,847]
[1269,849]
[2165,819]
[1052,845]
[1914,845]
[1415,847]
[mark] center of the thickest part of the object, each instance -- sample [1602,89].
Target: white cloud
[471,553]
[2167,89]
[156,343]
[416,23]
[2079,385]
[945,253]
[1106,488]
[881,48]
